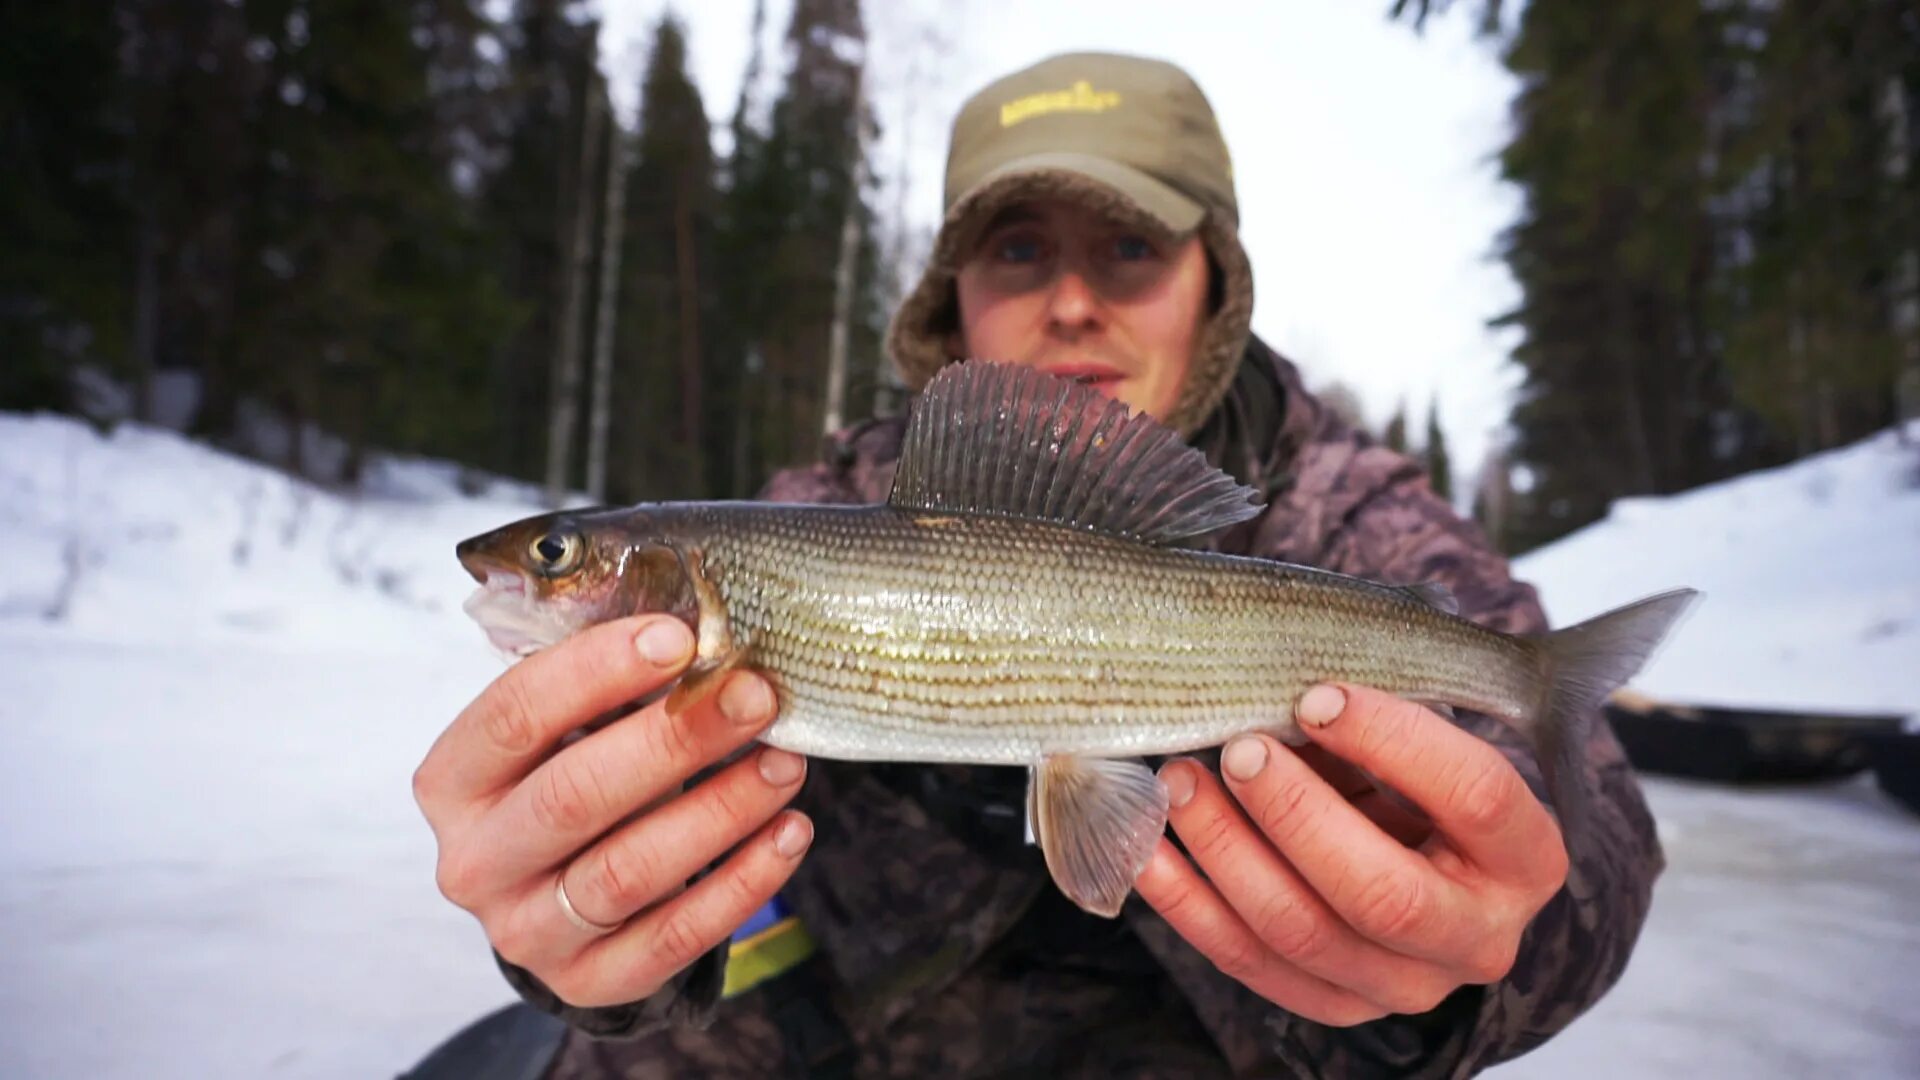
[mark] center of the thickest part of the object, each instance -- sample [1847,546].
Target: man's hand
[1322,894]
[517,814]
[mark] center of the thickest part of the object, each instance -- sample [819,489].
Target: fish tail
[1583,664]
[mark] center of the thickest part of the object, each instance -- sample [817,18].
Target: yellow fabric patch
[1080,97]
[779,948]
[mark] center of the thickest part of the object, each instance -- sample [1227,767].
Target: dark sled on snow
[1896,767]
[514,1042]
[1741,746]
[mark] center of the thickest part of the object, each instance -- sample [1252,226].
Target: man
[1306,923]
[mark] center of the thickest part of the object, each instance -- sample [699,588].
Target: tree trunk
[745,408]
[612,233]
[566,361]
[687,285]
[843,277]
[146,314]
[1623,353]
[1906,279]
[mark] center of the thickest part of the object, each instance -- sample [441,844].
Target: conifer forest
[422,226]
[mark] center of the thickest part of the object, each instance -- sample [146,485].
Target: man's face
[1054,286]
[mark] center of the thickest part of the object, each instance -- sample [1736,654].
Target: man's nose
[1073,304]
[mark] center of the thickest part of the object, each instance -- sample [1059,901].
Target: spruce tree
[665,370]
[1439,464]
[803,179]
[1395,435]
[528,204]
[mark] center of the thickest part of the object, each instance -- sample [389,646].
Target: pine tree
[357,299]
[1717,248]
[1395,435]
[804,177]
[1418,12]
[751,209]
[1439,465]
[1493,496]
[528,204]
[1625,389]
[1815,341]
[65,197]
[665,447]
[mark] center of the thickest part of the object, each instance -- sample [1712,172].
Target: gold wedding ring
[574,917]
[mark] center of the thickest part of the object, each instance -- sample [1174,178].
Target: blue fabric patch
[771,912]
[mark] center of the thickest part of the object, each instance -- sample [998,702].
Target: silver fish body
[905,636]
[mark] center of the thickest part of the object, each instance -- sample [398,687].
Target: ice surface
[211,865]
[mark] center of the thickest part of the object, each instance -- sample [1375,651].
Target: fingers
[638,959]
[586,789]
[647,860]
[642,862]
[499,738]
[1199,914]
[1389,810]
[1286,915]
[1474,795]
[1388,893]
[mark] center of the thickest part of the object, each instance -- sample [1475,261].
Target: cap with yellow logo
[1127,136]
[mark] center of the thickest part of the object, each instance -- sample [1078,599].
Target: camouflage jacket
[943,949]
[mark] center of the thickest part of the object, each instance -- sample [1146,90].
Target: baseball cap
[1130,137]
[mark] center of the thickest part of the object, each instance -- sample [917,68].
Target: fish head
[544,578]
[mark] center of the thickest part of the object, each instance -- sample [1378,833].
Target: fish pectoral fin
[1098,821]
[717,651]
[702,680]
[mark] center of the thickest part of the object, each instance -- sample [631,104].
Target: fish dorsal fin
[1434,595]
[1012,441]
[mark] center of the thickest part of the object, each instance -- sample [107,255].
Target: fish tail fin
[1584,663]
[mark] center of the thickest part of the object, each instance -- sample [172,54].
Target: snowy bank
[1811,573]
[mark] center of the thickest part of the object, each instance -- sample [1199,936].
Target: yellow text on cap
[1081,97]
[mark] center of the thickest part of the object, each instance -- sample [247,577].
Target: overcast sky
[1362,152]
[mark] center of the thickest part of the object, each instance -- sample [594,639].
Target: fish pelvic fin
[1584,663]
[1098,822]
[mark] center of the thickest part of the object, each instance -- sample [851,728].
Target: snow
[211,864]
[1811,573]
[1781,943]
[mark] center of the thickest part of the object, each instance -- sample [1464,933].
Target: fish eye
[555,553]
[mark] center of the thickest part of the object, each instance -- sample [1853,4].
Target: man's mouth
[1101,377]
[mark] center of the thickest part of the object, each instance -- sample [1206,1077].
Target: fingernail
[780,768]
[1319,705]
[746,700]
[1244,757]
[793,835]
[665,643]
[1177,778]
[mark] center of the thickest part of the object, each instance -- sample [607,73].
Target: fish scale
[987,640]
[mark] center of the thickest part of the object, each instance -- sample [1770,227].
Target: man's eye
[1019,250]
[1133,248]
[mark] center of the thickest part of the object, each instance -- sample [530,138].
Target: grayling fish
[1021,599]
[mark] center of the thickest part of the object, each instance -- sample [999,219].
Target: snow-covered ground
[211,866]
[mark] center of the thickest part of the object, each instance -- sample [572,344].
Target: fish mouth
[505,609]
